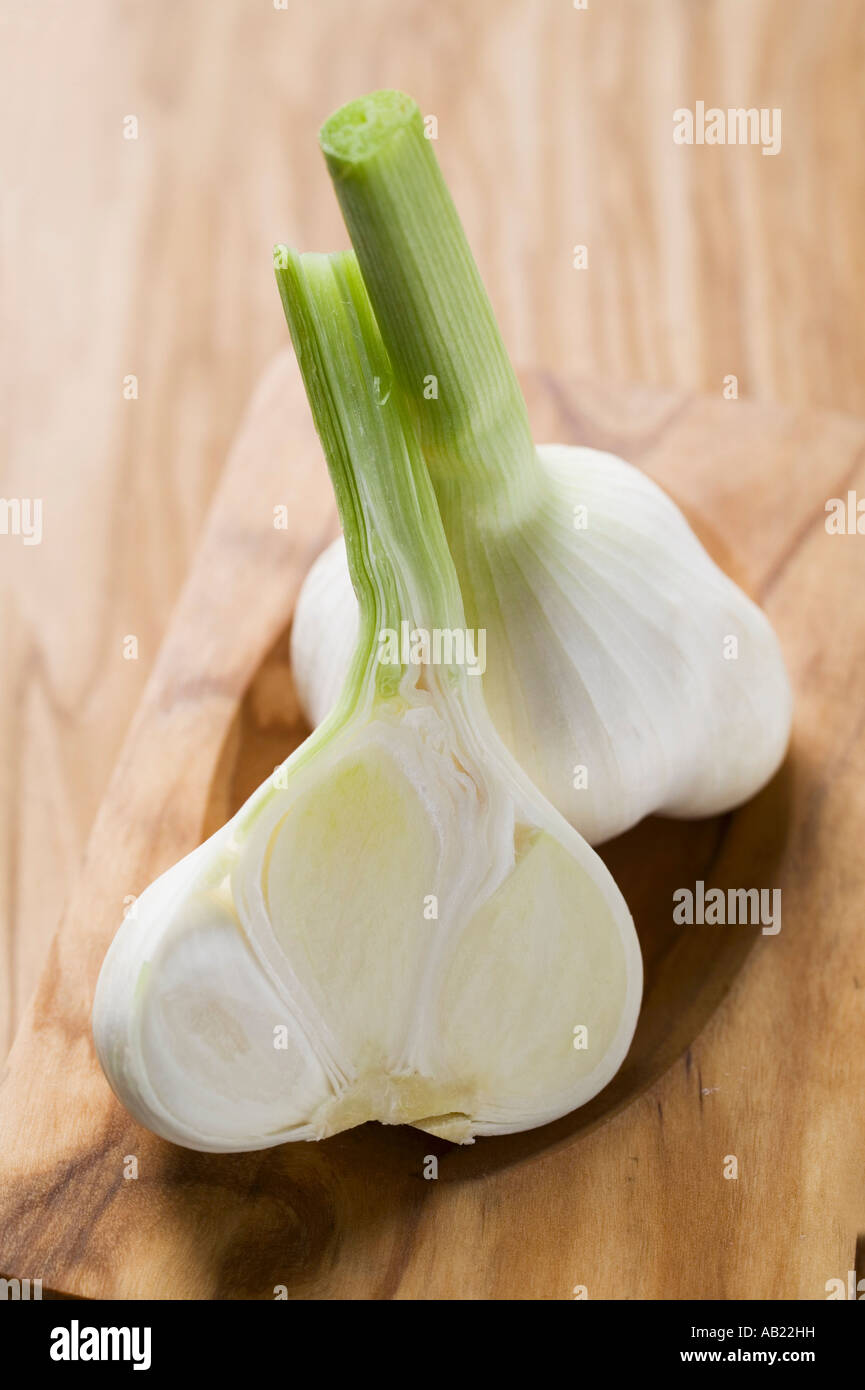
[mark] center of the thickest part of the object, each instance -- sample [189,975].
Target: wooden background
[152,257]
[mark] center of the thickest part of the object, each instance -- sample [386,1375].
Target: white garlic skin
[608,648]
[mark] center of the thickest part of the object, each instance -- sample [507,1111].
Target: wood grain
[747,1045]
[151,257]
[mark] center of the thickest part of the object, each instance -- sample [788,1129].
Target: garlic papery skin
[396,926]
[624,670]
[323,633]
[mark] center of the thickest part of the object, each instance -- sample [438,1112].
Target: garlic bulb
[396,926]
[625,671]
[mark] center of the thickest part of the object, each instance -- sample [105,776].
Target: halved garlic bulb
[401,932]
[396,926]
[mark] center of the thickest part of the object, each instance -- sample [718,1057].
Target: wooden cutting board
[748,1046]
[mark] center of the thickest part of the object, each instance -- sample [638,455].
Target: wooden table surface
[150,257]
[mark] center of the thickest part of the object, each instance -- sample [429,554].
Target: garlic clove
[184,1017]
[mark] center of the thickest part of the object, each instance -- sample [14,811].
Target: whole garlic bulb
[624,670]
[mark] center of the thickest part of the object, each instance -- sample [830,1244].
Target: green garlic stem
[435,317]
[398,557]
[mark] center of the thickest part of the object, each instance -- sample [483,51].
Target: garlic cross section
[396,926]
